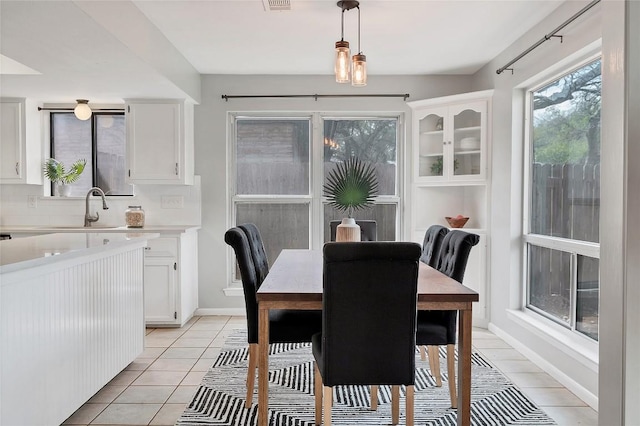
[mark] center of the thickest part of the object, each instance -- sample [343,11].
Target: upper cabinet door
[11,140]
[20,142]
[158,148]
[468,139]
[431,143]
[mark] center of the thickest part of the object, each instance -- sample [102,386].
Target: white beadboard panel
[67,331]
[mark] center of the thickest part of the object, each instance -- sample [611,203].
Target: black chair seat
[293,326]
[431,328]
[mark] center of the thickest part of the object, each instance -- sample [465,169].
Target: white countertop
[47,229]
[22,253]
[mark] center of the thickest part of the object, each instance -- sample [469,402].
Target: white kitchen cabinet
[160,142]
[171,279]
[450,176]
[20,142]
[450,138]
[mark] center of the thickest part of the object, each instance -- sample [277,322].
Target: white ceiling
[109,50]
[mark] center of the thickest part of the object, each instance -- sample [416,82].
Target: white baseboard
[240,312]
[582,393]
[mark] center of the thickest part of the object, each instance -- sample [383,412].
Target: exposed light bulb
[359,70]
[342,66]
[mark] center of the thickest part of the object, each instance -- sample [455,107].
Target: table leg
[464,367]
[263,366]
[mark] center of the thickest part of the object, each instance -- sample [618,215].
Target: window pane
[71,141]
[550,282]
[111,155]
[272,156]
[372,141]
[565,173]
[282,226]
[588,296]
[383,214]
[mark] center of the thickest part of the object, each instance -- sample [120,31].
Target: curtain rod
[547,37]
[71,109]
[389,95]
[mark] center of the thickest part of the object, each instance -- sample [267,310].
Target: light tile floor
[157,386]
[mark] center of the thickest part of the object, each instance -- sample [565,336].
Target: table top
[296,275]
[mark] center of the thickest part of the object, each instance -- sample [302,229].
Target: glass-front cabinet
[451,141]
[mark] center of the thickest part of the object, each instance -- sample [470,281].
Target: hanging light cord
[342,28]
[359,50]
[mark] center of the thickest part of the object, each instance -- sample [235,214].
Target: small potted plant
[350,186]
[57,173]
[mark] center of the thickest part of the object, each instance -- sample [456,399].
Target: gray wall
[212,156]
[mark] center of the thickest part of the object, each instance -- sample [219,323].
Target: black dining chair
[368,321]
[431,245]
[430,251]
[438,328]
[285,326]
[368,229]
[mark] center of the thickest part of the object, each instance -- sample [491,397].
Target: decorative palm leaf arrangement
[351,186]
[55,171]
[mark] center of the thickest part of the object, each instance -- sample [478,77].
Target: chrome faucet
[88,218]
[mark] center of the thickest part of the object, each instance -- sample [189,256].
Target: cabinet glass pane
[272,156]
[466,142]
[431,145]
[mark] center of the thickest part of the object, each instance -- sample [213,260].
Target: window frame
[94,147]
[315,199]
[574,248]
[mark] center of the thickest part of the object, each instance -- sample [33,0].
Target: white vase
[63,190]
[348,230]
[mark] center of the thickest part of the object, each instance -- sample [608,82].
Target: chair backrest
[369,313]
[237,239]
[454,253]
[432,243]
[259,255]
[368,229]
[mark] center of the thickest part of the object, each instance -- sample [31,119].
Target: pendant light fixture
[82,111]
[343,54]
[359,66]
[344,66]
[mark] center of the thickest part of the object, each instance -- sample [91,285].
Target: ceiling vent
[277,4]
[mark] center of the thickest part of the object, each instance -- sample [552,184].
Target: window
[373,141]
[99,140]
[562,227]
[278,179]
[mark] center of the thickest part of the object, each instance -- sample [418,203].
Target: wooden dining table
[295,282]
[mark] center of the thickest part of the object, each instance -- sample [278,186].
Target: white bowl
[470,143]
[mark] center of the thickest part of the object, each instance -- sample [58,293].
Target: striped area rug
[220,398]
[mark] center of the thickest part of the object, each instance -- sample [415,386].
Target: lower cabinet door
[160,290]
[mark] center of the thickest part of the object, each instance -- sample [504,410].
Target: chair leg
[423,353]
[409,402]
[327,401]
[374,397]
[317,390]
[434,356]
[451,371]
[395,404]
[251,373]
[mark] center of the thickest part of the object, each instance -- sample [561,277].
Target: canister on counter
[134,217]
